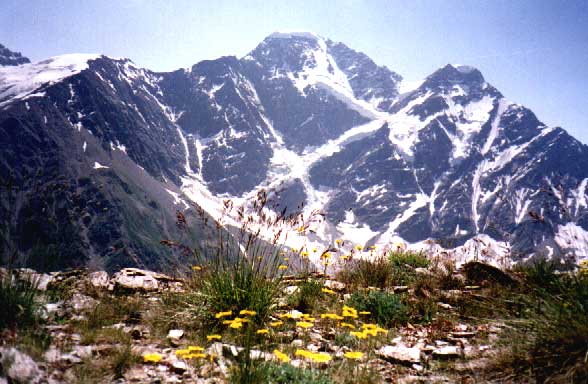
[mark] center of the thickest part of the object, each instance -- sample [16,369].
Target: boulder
[448,351]
[19,367]
[99,279]
[477,273]
[400,354]
[135,279]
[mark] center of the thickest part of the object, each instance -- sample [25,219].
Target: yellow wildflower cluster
[213,337]
[192,352]
[329,291]
[281,356]
[331,316]
[350,312]
[368,330]
[236,323]
[353,355]
[314,356]
[223,314]
[304,324]
[152,358]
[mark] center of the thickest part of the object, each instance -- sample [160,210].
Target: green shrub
[377,272]
[307,296]
[386,308]
[18,302]
[273,373]
[241,286]
[412,259]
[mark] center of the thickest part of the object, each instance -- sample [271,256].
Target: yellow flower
[286,258]
[359,335]
[338,241]
[223,314]
[365,313]
[358,247]
[282,267]
[195,356]
[196,268]
[281,356]
[349,312]
[301,229]
[353,355]
[304,254]
[236,324]
[213,337]
[286,315]
[276,323]
[332,316]
[152,358]
[329,291]
[314,356]
[262,331]
[247,312]
[372,247]
[347,325]
[314,250]
[304,324]
[326,255]
[182,352]
[192,348]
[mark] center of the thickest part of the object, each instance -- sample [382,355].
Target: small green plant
[273,373]
[18,301]
[386,308]
[412,259]
[122,359]
[308,295]
[377,272]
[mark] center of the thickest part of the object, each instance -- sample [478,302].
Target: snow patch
[16,82]
[97,165]
[574,239]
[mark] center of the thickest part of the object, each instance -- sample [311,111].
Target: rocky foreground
[129,327]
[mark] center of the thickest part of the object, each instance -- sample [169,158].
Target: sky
[535,52]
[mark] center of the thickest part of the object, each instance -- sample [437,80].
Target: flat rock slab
[400,354]
[449,351]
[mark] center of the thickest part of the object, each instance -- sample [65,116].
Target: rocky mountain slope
[104,153]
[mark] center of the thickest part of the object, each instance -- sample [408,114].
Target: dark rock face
[8,57]
[95,164]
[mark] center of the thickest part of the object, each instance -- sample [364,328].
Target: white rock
[334,285]
[175,334]
[447,351]
[179,366]
[81,302]
[400,353]
[19,367]
[136,279]
[99,279]
[290,290]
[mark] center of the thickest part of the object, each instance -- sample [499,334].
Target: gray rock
[448,351]
[80,302]
[334,285]
[19,367]
[99,279]
[136,279]
[179,366]
[400,353]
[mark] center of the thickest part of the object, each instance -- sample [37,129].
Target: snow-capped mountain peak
[448,164]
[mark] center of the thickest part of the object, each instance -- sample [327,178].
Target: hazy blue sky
[535,52]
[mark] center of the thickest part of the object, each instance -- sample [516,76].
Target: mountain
[8,57]
[104,153]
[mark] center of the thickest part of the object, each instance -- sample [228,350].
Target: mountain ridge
[436,167]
